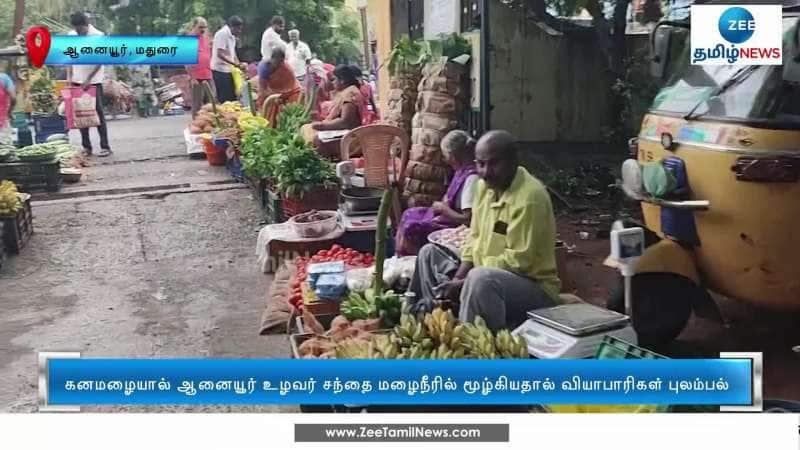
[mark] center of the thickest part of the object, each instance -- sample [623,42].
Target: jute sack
[427,154]
[442,85]
[426,136]
[443,69]
[437,103]
[434,122]
[428,172]
[435,189]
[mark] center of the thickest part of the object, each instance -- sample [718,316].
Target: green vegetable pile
[6,152]
[43,97]
[292,117]
[41,152]
[282,156]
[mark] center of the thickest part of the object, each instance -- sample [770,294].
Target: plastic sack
[81,107]
[359,280]
[398,268]
[331,286]
[194,142]
[236,73]
[658,181]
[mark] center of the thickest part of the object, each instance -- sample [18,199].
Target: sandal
[105,152]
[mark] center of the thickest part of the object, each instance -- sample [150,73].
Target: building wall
[543,86]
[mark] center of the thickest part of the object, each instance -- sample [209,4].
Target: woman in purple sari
[454,210]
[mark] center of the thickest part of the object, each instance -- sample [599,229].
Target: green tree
[312,17]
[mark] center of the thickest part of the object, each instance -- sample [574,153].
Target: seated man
[508,265]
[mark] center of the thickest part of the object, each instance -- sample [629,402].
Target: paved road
[110,272]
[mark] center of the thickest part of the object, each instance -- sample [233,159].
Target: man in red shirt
[200,73]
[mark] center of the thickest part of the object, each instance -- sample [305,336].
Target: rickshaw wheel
[662,305]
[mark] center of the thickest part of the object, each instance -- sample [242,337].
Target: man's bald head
[496,159]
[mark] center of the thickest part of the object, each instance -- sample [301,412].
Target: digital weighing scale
[572,331]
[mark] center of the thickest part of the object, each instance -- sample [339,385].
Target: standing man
[270,40]
[508,266]
[223,58]
[200,74]
[298,54]
[86,76]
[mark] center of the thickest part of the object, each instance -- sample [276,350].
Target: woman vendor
[455,208]
[346,112]
[278,78]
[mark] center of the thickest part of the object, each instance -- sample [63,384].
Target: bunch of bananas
[442,328]
[479,340]
[509,346]
[358,306]
[354,349]
[231,107]
[385,348]
[9,200]
[410,332]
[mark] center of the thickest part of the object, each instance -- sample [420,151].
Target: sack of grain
[425,136]
[434,122]
[437,173]
[415,186]
[442,85]
[437,103]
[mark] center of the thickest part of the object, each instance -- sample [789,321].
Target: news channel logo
[742,35]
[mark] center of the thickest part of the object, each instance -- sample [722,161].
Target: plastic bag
[359,280]
[194,142]
[236,73]
[398,268]
[81,107]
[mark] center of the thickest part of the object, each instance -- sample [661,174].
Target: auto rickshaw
[728,217]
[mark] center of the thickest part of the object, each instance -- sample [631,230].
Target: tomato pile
[352,260]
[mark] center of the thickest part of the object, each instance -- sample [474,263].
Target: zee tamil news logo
[736,35]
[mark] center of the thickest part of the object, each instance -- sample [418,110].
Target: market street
[165,267]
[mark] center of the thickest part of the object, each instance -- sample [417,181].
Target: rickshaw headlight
[666,141]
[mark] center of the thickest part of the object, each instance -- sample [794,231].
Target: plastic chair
[376,143]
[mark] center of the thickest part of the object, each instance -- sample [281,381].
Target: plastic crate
[24,137]
[32,176]
[18,228]
[315,200]
[49,123]
[41,138]
[273,207]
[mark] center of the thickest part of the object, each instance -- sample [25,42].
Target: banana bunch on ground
[478,340]
[410,332]
[9,200]
[443,329]
[385,348]
[231,107]
[354,349]
[509,346]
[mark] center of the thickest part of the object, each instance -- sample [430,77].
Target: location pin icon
[37,51]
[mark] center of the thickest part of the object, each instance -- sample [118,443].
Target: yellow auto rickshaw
[726,217]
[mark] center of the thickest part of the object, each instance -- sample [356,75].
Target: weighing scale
[572,331]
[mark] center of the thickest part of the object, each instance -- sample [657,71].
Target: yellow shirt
[516,232]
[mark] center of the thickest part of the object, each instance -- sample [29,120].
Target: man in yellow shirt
[508,266]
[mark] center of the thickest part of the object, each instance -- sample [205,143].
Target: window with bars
[470,15]
[416,19]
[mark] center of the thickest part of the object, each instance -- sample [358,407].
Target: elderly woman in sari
[346,111]
[456,206]
[279,80]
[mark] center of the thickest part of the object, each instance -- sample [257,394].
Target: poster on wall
[441,17]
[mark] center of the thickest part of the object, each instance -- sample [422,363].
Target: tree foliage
[324,24]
